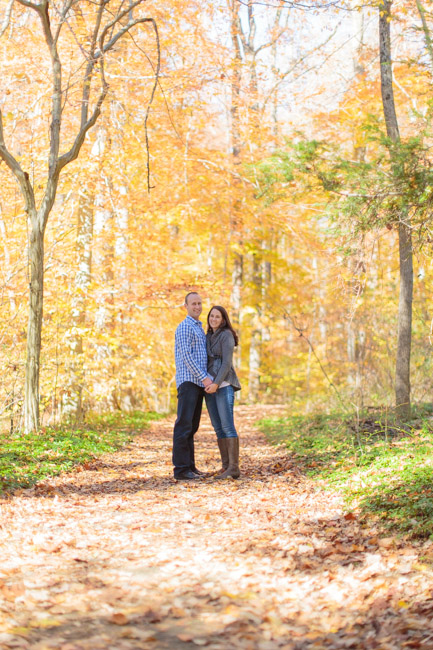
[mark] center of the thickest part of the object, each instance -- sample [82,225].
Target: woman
[221,340]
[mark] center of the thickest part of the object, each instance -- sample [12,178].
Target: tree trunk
[402,369]
[425,28]
[104,253]
[255,326]
[236,220]
[404,335]
[108,29]
[36,292]
[72,400]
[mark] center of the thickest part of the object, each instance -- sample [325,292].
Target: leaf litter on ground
[116,554]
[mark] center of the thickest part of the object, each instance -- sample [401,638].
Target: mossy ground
[382,468]
[26,459]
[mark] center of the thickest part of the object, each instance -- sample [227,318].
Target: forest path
[118,555]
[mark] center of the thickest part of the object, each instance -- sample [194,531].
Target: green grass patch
[384,469]
[26,459]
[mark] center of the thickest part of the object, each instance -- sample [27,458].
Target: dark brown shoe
[198,472]
[187,476]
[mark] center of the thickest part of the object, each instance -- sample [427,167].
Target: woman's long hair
[225,325]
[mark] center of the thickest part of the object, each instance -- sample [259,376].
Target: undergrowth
[383,469]
[26,459]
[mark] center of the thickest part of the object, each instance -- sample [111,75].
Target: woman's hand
[212,388]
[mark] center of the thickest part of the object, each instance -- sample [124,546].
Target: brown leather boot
[232,470]
[222,446]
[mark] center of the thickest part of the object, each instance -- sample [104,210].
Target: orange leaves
[138,560]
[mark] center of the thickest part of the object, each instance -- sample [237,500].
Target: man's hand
[207,382]
[212,388]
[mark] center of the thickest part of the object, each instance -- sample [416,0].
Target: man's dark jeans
[189,404]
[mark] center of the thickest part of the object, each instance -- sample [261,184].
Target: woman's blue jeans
[220,408]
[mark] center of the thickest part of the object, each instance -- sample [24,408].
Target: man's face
[194,306]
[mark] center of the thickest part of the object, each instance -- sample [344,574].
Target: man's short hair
[191,293]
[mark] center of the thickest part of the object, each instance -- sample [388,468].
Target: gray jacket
[220,346]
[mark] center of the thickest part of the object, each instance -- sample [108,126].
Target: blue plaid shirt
[190,352]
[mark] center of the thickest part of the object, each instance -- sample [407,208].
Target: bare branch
[110,45]
[32,5]
[178,135]
[301,331]
[225,170]
[63,14]
[116,21]
[427,34]
[6,19]
[21,176]
[102,4]
[158,67]
[72,154]
[295,4]
[121,32]
[297,63]
[251,27]
[90,66]
[271,42]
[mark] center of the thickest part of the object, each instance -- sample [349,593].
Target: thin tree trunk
[256,330]
[425,28]
[72,401]
[104,253]
[36,292]
[236,187]
[404,335]
[402,370]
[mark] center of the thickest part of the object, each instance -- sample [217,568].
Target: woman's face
[215,319]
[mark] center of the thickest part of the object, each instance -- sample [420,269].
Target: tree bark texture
[34,329]
[404,334]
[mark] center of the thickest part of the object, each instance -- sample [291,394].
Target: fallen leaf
[118,619]
[386,542]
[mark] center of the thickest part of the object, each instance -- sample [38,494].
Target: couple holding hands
[204,367]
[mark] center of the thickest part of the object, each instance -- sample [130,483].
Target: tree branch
[120,33]
[32,5]
[21,176]
[116,21]
[296,64]
[7,18]
[63,14]
[155,85]
[300,331]
[89,68]
[426,30]
[73,152]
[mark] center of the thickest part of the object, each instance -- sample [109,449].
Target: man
[191,379]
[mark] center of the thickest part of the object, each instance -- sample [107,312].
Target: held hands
[209,385]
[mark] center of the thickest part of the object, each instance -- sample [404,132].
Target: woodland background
[238,208]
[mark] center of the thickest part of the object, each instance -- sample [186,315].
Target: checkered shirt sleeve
[190,352]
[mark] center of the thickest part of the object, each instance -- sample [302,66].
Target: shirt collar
[190,319]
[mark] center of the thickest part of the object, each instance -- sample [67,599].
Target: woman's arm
[227,347]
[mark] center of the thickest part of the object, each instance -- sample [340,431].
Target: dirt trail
[119,555]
